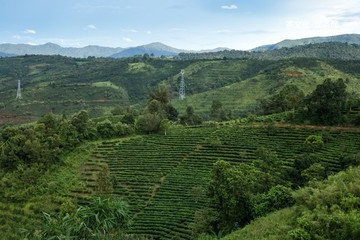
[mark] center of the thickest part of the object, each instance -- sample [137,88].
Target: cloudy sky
[185,24]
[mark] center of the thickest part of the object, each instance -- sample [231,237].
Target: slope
[345,38]
[164,177]
[242,96]
[323,204]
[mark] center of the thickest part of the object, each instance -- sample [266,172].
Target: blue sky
[185,24]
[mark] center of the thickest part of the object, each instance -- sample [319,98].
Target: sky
[184,24]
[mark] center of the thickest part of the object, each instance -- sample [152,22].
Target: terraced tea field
[163,177]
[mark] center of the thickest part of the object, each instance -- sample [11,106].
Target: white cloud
[126,39]
[148,32]
[32,43]
[30,31]
[16,36]
[130,30]
[91,26]
[223,31]
[229,7]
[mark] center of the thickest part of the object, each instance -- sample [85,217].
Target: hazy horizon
[183,24]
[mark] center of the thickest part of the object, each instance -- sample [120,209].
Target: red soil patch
[294,74]
[14,120]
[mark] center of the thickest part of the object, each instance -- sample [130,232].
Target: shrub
[149,123]
[276,198]
[315,172]
[103,218]
[314,142]
[299,234]
[105,129]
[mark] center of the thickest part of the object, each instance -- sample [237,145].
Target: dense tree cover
[240,193]
[324,210]
[243,192]
[289,98]
[157,113]
[44,141]
[190,117]
[319,50]
[326,104]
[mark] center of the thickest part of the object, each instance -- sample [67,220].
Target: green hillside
[326,50]
[318,208]
[66,85]
[242,97]
[164,177]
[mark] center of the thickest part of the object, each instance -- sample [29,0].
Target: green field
[164,177]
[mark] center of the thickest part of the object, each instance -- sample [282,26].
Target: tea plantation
[164,177]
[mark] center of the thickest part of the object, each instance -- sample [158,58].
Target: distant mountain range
[54,49]
[157,49]
[325,50]
[2,54]
[346,38]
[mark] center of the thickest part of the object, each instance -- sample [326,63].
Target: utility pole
[182,86]
[18,93]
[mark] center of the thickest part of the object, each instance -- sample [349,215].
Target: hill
[59,84]
[2,54]
[345,38]
[332,50]
[239,84]
[175,171]
[157,49]
[54,49]
[317,204]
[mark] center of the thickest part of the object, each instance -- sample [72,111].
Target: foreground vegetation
[156,172]
[323,210]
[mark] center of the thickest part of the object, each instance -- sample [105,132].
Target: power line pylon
[18,93]
[182,85]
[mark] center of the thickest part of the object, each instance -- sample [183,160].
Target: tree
[315,172]
[276,198]
[81,123]
[105,129]
[314,142]
[230,192]
[289,98]
[149,123]
[217,111]
[161,94]
[155,106]
[103,181]
[327,103]
[172,113]
[190,117]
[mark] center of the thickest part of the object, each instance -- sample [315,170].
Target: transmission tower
[182,85]
[18,93]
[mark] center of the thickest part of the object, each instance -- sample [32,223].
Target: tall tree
[327,102]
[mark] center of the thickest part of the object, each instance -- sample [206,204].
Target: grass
[275,226]
[105,85]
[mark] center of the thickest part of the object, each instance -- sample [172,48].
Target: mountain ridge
[289,43]
[156,48]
